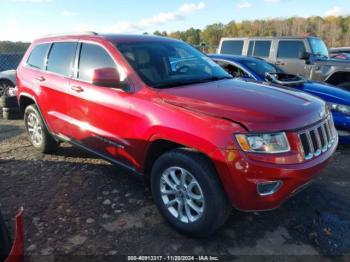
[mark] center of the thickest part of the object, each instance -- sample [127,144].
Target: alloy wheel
[34,129]
[182,195]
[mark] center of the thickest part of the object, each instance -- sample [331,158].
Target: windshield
[166,64]
[318,47]
[261,67]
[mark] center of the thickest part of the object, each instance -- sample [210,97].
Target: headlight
[340,108]
[264,143]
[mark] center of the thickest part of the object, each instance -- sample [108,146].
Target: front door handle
[40,78]
[280,63]
[77,89]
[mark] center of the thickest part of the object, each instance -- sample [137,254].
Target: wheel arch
[7,79]
[338,77]
[160,146]
[25,100]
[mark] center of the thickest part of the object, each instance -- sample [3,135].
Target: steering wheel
[183,69]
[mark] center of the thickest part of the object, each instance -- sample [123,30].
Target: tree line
[8,47]
[335,31]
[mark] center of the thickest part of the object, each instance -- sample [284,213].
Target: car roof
[268,37]
[119,38]
[115,38]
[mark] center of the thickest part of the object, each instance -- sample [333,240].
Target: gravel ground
[78,205]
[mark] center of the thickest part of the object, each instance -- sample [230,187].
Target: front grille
[318,139]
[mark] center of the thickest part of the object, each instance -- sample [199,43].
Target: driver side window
[94,57]
[232,69]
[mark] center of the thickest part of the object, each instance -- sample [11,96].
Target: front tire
[38,134]
[188,193]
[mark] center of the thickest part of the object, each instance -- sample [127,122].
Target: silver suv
[307,56]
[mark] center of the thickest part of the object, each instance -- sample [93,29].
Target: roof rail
[74,33]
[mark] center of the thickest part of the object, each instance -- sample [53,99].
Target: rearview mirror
[107,77]
[304,55]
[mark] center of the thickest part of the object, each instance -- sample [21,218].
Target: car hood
[334,62]
[256,106]
[327,92]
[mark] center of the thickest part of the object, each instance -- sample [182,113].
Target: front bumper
[342,124]
[241,176]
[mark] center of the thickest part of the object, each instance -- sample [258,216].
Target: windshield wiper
[215,78]
[321,55]
[193,81]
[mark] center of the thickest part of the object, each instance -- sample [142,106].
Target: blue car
[256,69]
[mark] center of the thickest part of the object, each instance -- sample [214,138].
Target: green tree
[13,47]
[192,36]
[212,35]
[335,31]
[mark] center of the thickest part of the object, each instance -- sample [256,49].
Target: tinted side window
[259,48]
[290,49]
[61,58]
[251,47]
[231,69]
[262,48]
[37,57]
[232,47]
[93,57]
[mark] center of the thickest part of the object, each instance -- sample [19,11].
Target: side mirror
[107,77]
[304,55]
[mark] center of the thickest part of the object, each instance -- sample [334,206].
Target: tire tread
[201,162]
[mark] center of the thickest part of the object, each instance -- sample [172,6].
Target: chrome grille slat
[331,125]
[325,144]
[325,134]
[328,132]
[311,146]
[318,139]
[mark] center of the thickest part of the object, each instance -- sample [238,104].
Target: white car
[7,79]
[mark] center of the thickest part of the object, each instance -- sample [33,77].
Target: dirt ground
[77,205]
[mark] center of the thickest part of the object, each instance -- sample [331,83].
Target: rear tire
[38,134]
[11,113]
[194,201]
[4,84]
[8,101]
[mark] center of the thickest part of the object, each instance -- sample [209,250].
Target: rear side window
[290,49]
[259,48]
[262,48]
[38,55]
[232,47]
[251,48]
[93,57]
[61,58]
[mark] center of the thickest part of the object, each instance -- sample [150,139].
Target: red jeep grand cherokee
[158,107]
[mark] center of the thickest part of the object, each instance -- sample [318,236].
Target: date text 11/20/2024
[173,258]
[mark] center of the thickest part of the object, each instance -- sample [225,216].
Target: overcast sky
[28,19]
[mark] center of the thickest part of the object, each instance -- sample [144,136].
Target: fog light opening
[268,188]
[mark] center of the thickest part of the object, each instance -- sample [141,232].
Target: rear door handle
[77,89]
[40,78]
[279,63]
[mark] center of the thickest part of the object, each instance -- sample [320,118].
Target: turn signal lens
[242,140]
[264,143]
